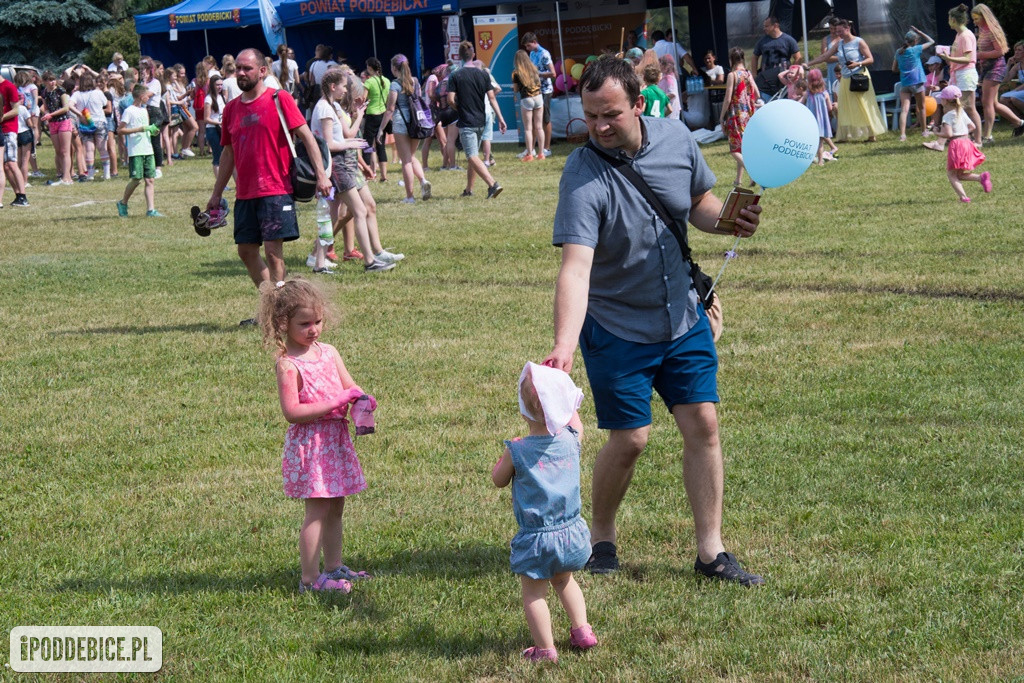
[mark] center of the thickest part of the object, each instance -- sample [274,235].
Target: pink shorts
[64,126]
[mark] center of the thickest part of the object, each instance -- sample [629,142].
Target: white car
[9,71]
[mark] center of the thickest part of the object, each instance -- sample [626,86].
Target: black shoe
[248,322]
[727,568]
[20,200]
[603,559]
[200,221]
[467,193]
[1018,131]
[494,190]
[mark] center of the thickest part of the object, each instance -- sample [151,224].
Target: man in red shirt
[10,101]
[255,145]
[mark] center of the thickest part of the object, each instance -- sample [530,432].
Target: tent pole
[561,55]
[803,15]
[206,39]
[373,27]
[714,38]
[675,53]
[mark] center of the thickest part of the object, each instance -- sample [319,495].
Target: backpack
[421,122]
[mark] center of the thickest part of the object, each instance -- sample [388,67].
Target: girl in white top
[94,106]
[214,113]
[962,156]
[329,127]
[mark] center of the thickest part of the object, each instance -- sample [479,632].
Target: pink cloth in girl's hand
[559,397]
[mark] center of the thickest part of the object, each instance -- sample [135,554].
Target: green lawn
[872,403]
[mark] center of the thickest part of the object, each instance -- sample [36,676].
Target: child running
[137,129]
[553,539]
[817,100]
[962,156]
[740,95]
[319,464]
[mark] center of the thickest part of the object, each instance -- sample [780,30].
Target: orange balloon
[930,105]
[568,65]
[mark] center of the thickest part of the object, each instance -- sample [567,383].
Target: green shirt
[655,101]
[376,94]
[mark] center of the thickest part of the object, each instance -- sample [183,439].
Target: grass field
[872,411]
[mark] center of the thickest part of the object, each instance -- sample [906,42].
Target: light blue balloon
[780,142]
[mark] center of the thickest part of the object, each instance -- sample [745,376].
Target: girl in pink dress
[962,156]
[740,95]
[319,464]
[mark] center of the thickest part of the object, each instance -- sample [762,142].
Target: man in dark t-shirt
[772,55]
[467,89]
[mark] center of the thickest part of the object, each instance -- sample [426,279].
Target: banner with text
[496,38]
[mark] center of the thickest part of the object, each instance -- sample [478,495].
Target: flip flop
[344,572]
[200,221]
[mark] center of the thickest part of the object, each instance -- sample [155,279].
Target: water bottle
[324,225]
[362,415]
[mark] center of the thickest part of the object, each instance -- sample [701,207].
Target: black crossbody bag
[701,281]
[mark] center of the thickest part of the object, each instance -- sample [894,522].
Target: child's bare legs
[972,113]
[317,510]
[371,219]
[904,112]
[831,145]
[957,176]
[572,598]
[331,534]
[821,147]
[355,206]
[535,607]
[148,191]
[739,167]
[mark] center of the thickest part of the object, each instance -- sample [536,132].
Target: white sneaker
[311,262]
[523,153]
[425,186]
[187,153]
[387,257]
[547,152]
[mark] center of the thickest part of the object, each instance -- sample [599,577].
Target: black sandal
[727,568]
[603,558]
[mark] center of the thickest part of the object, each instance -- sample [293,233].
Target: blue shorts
[623,373]
[266,219]
[471,138]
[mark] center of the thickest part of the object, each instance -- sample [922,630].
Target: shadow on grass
[179,583]
[925,292]
[236,269]
[423,638]
[147,329]
[454,562]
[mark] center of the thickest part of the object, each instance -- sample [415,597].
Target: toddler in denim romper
[553,539]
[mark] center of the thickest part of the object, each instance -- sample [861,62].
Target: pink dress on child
[318,460]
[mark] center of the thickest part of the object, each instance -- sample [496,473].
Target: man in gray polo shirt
[624,292]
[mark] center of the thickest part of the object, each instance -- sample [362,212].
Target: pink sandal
[326,583]
[535,654]
[986,181]
[582,638]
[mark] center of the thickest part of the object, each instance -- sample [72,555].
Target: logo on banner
[173,21]
[236,16]
[486,40]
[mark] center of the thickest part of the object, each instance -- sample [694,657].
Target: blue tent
[228,26]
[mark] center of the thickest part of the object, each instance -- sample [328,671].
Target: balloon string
[729,255]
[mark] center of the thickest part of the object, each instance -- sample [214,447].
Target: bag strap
[644,189]
[284,126]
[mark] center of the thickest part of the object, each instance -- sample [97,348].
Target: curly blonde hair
[279,302]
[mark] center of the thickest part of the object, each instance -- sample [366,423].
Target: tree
[1010,14]
[122,38]
[47,33]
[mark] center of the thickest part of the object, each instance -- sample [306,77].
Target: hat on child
[934,59]
[559,397]
[950,92]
